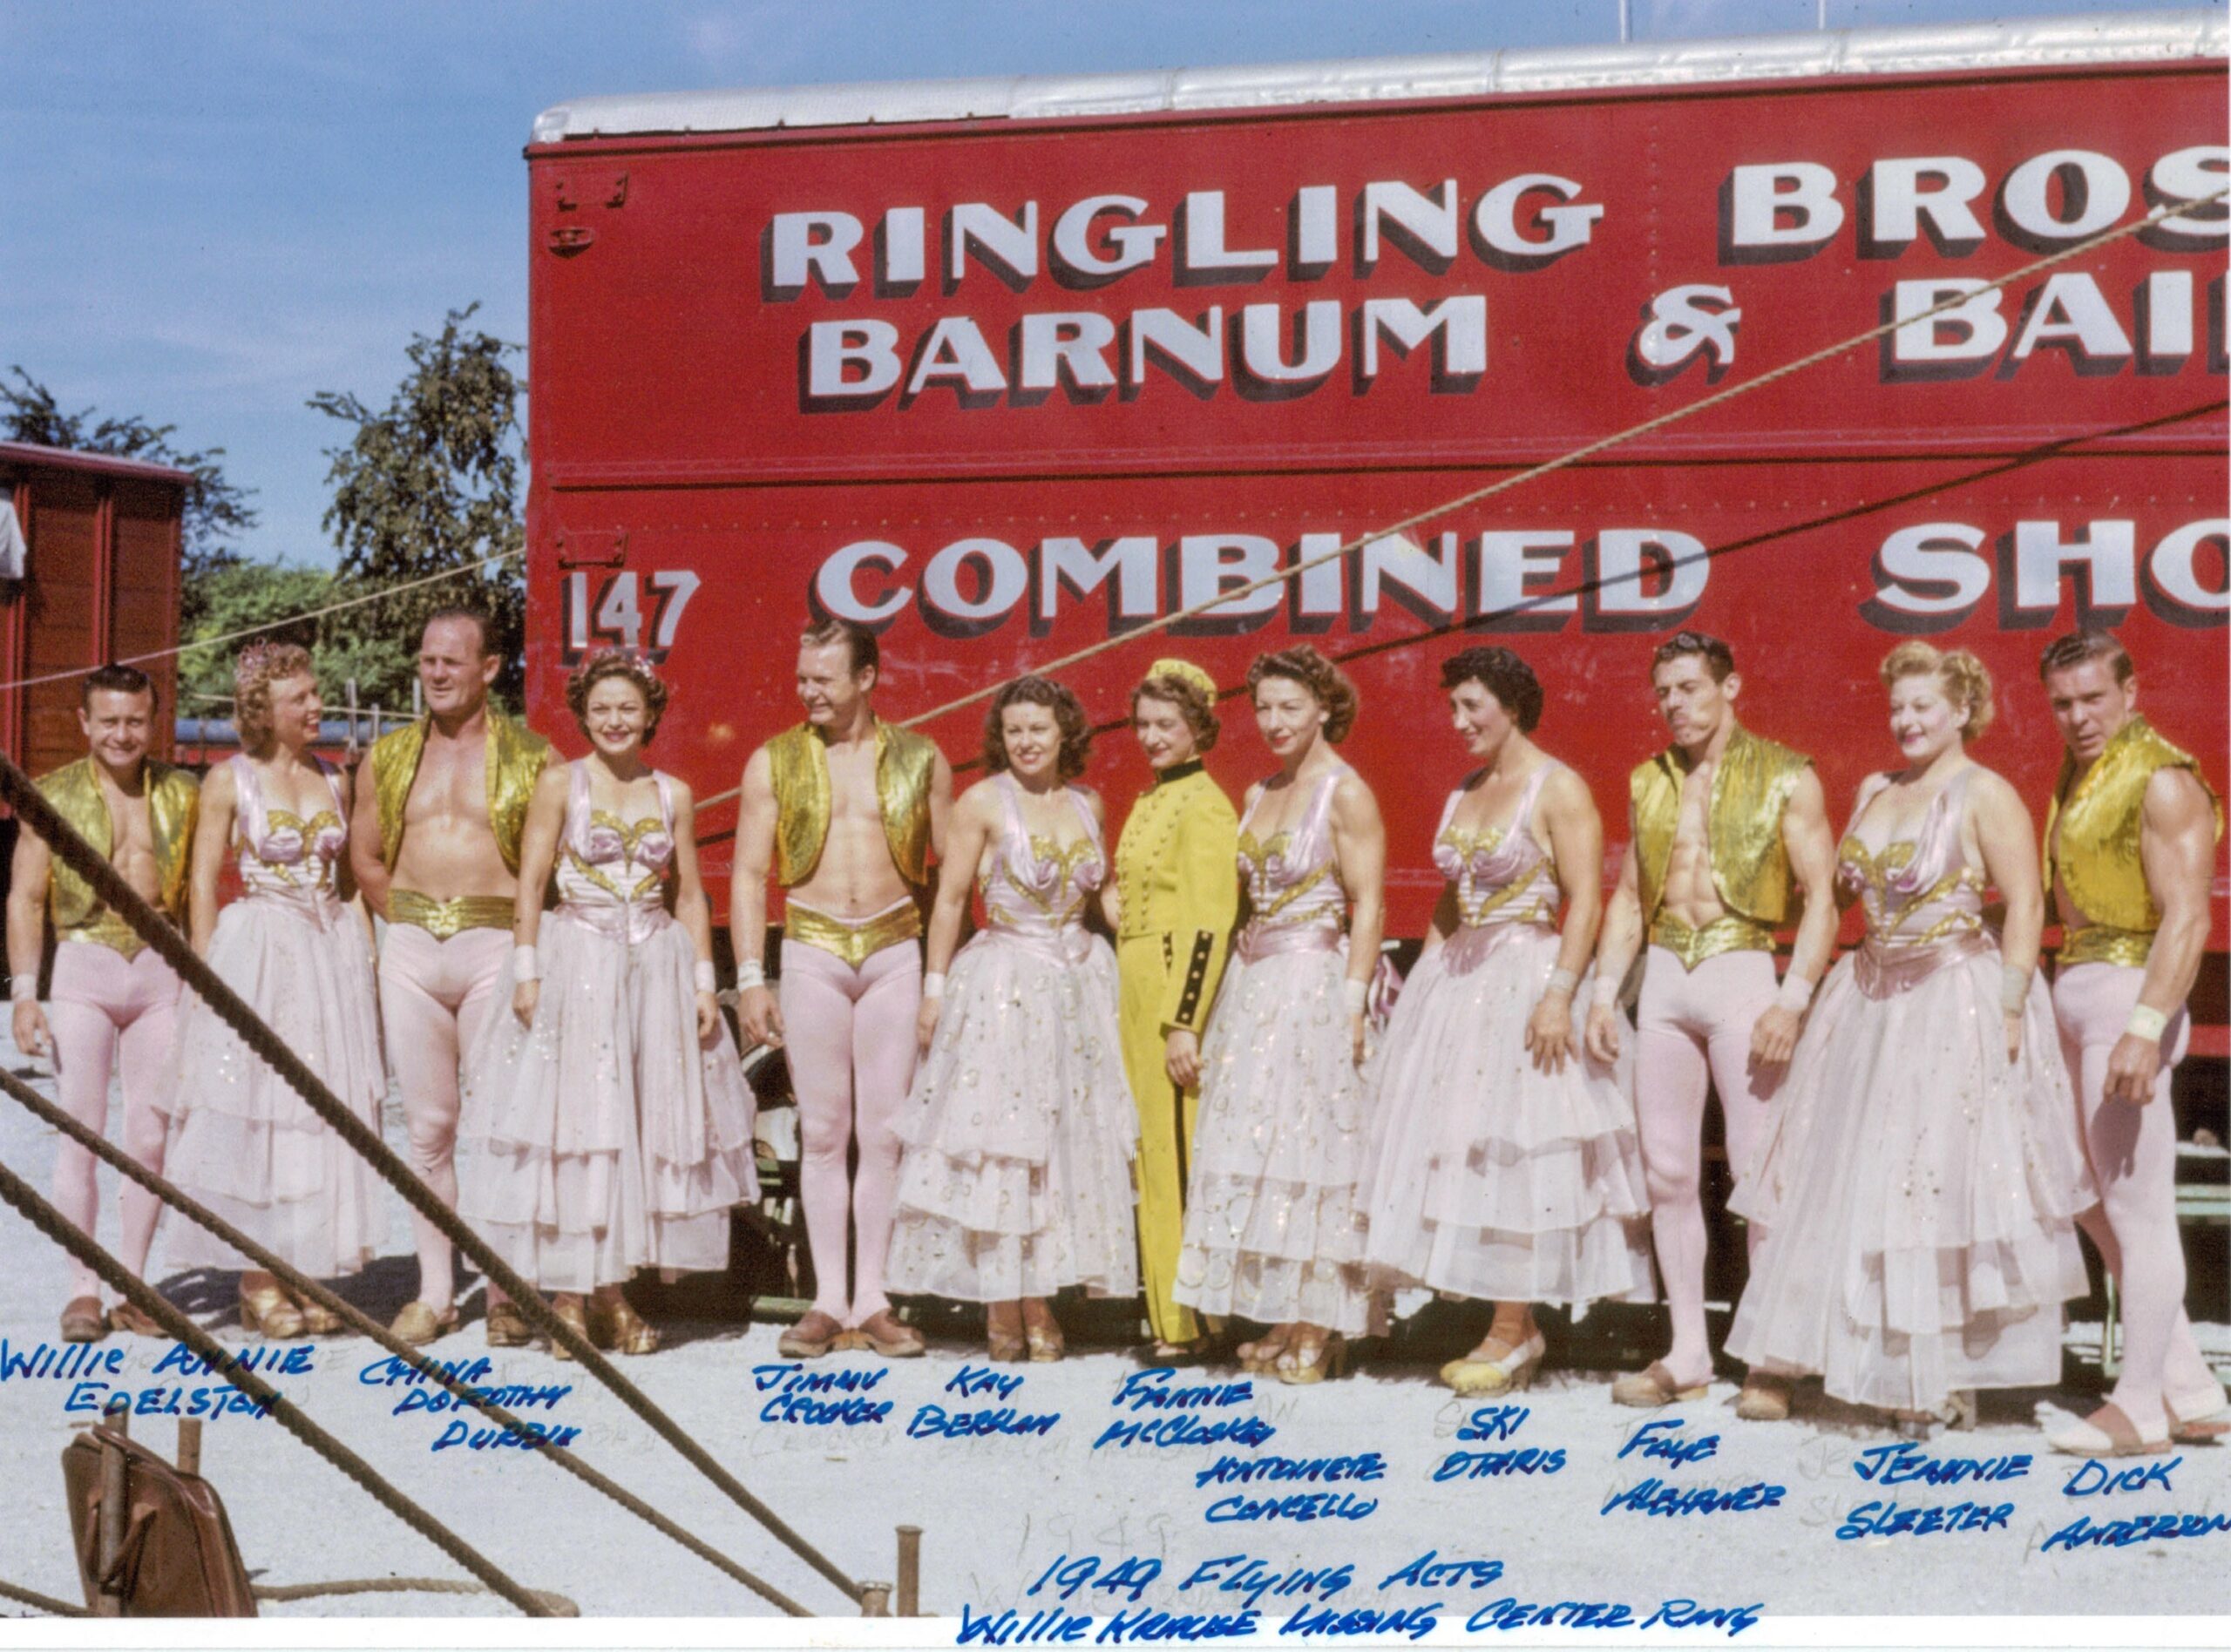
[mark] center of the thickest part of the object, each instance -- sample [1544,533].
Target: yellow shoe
[271,1312]
[1511,1371]
[1305,1362]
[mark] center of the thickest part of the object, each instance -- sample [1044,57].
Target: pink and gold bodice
[283,857]
[1505,879]
[612,873]
[1924,901]
[1293,883]
[1035,888]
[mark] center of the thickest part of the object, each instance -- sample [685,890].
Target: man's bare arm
[366,859]
[33,865]
[1616,947]
[1812,854]
[755,857]
[2177,848]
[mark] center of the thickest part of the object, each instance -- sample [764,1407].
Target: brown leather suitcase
[178,1557]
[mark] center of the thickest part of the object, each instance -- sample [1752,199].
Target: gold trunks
[1726,933]
[2104,943]
[107,929]
[853,940]
[443,919]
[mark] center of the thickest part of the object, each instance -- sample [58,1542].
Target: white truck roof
[2092,38]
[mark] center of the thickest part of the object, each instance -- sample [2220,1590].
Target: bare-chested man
[846,811]
[2130,851]
[435,845]
[1721,822]
[113,997]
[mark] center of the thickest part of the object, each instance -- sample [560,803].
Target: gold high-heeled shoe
[1304,1362]
[1045,1343]
[1508,1372]
[570,1311]
[318,1321]
[1006,1344]
[625,1331]
[1263,1354]
[270,1312]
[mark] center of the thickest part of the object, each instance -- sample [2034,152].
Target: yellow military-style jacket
[1177,878]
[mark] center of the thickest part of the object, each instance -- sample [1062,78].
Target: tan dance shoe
[271,1312]
[127,1317]
[418,1324]
[1765,1398]
[82,1321]
[505,1326]
[811,1338]
[1653,1386]
[1507,1372]
[567,1309]
[883,1333]
[624,1331]
[319,1320]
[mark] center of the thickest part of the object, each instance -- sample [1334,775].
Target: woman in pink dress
[1273,1229]
[606,1124]
[241,1140]
[1920,1184]
[1503,1164]
[1020,1133]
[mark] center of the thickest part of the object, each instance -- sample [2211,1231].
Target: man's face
[118,727]
[453,670]
[1693,704]
[2090,705]
[829,688]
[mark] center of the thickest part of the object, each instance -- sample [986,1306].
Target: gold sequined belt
[107,929]
[1728,933]
[854,940]
[1884,971]
[443,919]
[2103,943]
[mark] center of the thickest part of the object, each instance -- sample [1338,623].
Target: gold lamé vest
[174,800]
[906,764]
[2096,857]
[1750,867]
[514,758]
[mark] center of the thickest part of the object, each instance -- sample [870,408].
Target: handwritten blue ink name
[1155,1390]
[2143,1528]
[71,1362]
[1660,1439]
[934,1421]
[1900,1465]
[2095,1479]
[1889,1520]
[795,1402]
[1653,1496]
[1313,1505]
[168,1400]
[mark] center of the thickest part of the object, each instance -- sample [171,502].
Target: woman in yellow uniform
[1177,899]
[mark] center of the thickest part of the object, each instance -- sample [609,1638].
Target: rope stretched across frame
[32,808]
[65,1233]
[1586,450]
[364,1326]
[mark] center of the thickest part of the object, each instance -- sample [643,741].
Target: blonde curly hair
[259,664]
[1966,680]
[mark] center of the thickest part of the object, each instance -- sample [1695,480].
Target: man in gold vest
[435,845]
[845,811]
[1722,825]
[113,998]
[2130,851]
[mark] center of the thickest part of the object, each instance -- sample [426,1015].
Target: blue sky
[210,212]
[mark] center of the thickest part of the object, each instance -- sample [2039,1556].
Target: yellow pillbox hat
[1184,671]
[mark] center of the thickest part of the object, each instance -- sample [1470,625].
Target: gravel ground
[999,1511]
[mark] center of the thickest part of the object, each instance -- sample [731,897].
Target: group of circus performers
[1217,1111]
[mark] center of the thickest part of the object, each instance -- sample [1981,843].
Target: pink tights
[1694,1030]
[105,1005]
[2133,1154]
[435,997]
[849,1035]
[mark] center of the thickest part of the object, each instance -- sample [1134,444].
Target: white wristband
[707,981]
[1606,992]
[2147,1024]
[2013,989]
[1796,993]
[23,989]
[1356,995]
[1563,980]
[525,967]
[933,984]
[751,973]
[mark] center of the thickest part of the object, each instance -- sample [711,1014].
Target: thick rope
[364,1326]
[1586,450]
[369,598]
[36,813]
[45,1603]
[51,1222]
[559,1604]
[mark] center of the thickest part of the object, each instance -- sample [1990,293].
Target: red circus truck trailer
[1004,368]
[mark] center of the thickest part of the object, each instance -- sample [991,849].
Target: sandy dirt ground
[1004,1513]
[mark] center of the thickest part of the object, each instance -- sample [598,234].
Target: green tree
[431,482]
[356,644]
[217,511]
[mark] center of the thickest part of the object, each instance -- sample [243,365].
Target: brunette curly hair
[1304,665]
[616,662]
[1967,682]
[1192,702]
[1069,713]
[259,664]
[1503,675]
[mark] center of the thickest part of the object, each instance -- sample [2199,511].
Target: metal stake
[909,1571]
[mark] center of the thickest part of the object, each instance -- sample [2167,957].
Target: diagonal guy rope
[364,1326]
[1586,450]
[38,814]
[365,600]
